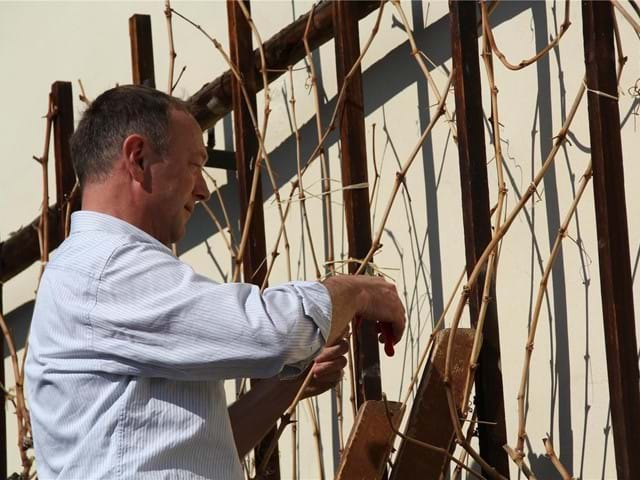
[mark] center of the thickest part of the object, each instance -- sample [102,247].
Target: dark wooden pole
[356,201]
[141,50]
[62,96]
[285,48]
[489,396]
[246,144]
[3,405]
[613,236]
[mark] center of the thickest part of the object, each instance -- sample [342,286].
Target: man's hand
[328,368]
[373,299]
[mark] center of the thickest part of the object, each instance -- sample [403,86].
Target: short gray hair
[111,118]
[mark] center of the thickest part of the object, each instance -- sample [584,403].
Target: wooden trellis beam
[21,249]
[356,201]
[613,235]
[489,395]
[141,50]
[3,409]
[213,101]
[246,147]
[62,97]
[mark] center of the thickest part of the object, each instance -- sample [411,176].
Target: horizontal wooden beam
[285,48]
[21,249]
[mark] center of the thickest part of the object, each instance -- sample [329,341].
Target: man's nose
[201,190]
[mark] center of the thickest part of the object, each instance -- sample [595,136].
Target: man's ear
[133,151]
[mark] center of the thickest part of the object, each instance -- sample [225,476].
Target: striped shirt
[129,348]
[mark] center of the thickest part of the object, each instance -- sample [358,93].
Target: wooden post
[62,96]
[246,145]
[356,201]
[613,236]
[489,396]
[3,409]
[141,50]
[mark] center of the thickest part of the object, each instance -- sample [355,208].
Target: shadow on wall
[379,87]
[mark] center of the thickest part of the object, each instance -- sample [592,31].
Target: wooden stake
[476,215]
[141,50]
[613,236]
[356,201]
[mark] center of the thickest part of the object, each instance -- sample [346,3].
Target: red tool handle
[387,335]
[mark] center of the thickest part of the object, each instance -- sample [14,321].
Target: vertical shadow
[562,369]
[431,192]
[584,260]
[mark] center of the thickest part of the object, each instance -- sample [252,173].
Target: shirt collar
[89,221]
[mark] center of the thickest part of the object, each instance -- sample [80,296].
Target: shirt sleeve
[154,316]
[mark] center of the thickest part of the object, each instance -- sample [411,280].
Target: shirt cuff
[316,303]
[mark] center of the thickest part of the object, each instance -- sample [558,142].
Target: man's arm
[371,298]
[272,396]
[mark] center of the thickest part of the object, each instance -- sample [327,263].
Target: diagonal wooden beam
[489,396]
[613,236]
[429,420]
[356,201]
[21,249]
[213,100]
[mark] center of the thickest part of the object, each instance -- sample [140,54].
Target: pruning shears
[388,337]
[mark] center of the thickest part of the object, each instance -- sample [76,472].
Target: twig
[172,50]
[21,409]
[473,276]
[375,244]
[43,226]
[542,290]
[518,459]
[83,96]
[492,262]
[418,56]
[628,18]
[316,435]
[324,165]
[566,23]
[548,445]
[301,195]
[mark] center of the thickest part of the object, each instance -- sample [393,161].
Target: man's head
[139,154]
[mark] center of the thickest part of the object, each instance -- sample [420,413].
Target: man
[129,347]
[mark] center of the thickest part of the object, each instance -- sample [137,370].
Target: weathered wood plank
[356,201]
[369,444]
[613,235]
[489,395]
[429,420]
[21,249]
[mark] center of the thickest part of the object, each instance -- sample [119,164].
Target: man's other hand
[328,368]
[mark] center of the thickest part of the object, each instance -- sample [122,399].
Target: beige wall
[423,244]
